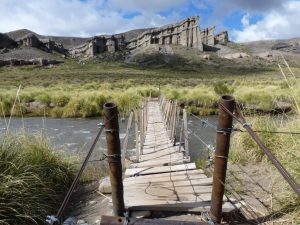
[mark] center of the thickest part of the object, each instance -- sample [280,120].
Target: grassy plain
[76,89]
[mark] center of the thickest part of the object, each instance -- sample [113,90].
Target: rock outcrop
[31,40]
[6,42]
[99,44]
[186,33]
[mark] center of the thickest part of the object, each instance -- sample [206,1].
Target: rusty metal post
[221,154]
[110,114]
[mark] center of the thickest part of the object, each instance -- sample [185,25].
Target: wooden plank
[114,220]
[172,174]
[185,207]
[163,158]
[166,193]
[161,154]
[145,179]
[159,169]
[165,162]
[141,199]
[198,182]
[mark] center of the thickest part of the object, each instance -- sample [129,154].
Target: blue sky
[244,19]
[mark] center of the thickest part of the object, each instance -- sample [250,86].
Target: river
[75,136]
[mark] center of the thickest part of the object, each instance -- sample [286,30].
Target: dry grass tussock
[33,179]
[244,151]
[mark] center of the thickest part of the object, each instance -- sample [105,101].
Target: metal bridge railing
[228,110]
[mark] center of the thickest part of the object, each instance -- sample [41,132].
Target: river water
[74,137]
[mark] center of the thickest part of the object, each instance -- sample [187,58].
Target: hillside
[69,42]
[286,45]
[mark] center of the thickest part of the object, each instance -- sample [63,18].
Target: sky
[245,20]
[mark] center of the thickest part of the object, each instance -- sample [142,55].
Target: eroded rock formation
[186,33]
[31,40]
[99,44]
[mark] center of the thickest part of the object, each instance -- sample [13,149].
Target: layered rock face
[186,33]
[30,40]
[99,44]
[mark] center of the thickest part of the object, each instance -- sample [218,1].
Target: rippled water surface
[75,136]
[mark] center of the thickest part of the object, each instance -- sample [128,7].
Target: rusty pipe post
[221,155]
[110,114]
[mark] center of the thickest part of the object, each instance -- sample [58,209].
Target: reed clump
[33,180]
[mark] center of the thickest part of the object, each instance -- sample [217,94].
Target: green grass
[33,180]
[76,90]
[285,147]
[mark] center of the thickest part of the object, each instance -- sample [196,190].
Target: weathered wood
[170,119]
[199,182]
[185,132]
[141,128]
[181,136]
[137,136]
[186,207]
[161,179]
[125,143]
[159,169]
[152,179]
[171,174]
[111,220]
[172,135]
[164,162]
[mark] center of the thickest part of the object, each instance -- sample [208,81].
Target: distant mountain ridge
[291,45]
[70,42]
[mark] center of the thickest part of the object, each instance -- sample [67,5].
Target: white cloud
[276,24]
[83,18]
[245,20]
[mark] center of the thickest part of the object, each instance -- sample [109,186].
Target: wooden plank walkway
[164,179]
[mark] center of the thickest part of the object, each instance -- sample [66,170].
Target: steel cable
[266,150]
[53,219]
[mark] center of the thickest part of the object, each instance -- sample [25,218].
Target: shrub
[221,88]
[33,179]
[78,107]
[44,98]
[61,100]
[57,112]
